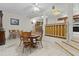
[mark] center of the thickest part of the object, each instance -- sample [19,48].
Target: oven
[76,28]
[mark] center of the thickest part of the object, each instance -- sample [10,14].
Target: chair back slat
[24,36]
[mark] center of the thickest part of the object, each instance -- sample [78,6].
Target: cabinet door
[46,30]
[0,22]
[59,30]
[53,30]
[2,37]
[56,30]
[1,14]
[65,30]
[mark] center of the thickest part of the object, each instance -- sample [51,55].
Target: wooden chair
[39,40]
[13,32]
[17,33]
[25,40]
[25,36]
[20,36]
[10,34]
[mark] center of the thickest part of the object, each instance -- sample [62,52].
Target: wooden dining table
[33,39]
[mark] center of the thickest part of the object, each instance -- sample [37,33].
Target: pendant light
[55,11]
[36,7]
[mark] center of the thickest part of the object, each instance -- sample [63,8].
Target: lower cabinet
[56,30]
[2,37]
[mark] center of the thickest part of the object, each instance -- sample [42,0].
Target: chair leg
[20,43]
[9,37]
[41,44]
[30,49]
[23,49]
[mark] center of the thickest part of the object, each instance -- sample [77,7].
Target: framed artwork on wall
[14,21]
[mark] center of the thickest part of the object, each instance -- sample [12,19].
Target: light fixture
[33,21]
[42,16]
[36,4]
[36,7]
[55,11]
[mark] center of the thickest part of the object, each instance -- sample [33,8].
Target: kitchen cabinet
[2,32]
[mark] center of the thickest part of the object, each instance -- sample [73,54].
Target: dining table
[33,40]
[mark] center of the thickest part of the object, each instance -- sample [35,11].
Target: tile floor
[50,48]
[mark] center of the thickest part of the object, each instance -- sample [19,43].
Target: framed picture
[14,21]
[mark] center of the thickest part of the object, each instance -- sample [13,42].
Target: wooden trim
[62,18]
[76,17]
[65,49]
[56,36]
[55,24]
[71,46]
[56,30]
[74,41]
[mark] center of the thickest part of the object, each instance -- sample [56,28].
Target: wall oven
[76,28]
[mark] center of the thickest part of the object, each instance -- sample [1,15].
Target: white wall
[66,10]
[52,18]
[70,22]
[24,23]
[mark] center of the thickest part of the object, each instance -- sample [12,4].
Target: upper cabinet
[64,19]
[1,14]
[76,18]
[39,26]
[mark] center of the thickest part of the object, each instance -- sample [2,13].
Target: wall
[66,10]
[53,18]
[24,23]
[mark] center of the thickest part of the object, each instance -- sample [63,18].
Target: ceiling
[24,8]
[27,8]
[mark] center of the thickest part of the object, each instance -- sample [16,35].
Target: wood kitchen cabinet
[56,30]
[2,32]
[39,26]
[2,37]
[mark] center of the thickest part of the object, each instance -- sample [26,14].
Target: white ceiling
[24,8]
[27,8]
